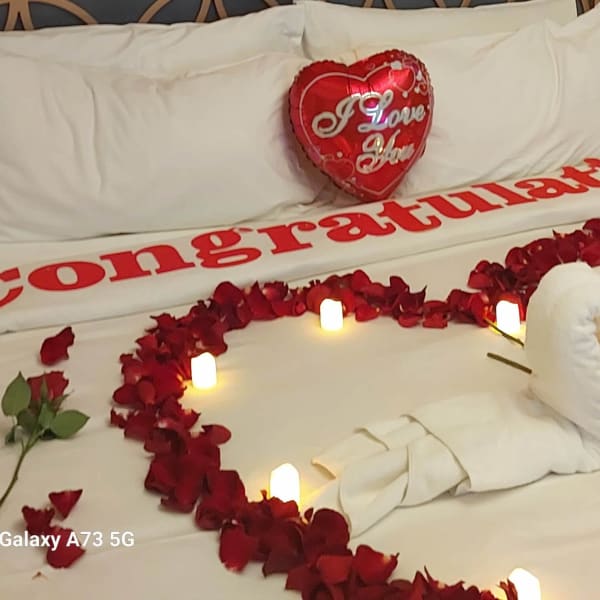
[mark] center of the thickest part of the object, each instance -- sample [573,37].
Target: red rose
[55,384]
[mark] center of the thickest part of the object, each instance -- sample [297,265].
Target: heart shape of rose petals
[363,125]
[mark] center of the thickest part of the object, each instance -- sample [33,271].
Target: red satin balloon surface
[366,124]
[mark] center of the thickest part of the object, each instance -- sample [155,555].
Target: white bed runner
[129,276]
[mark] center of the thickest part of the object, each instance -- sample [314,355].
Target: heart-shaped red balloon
[366,124]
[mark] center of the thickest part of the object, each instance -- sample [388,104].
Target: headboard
[35,14]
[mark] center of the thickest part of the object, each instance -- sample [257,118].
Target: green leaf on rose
[27,421]
[16,397]
[46,416]
[68,423]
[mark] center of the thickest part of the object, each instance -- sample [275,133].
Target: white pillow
[331,29]
[86,152]
[508,106]
[158,50]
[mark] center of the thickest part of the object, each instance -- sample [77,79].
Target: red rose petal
[227,484]
[167,382]
[591,254]
[68,550]
[302,579]
[280,509]
[37,520]
[366,312]
[435,321]
[226,497]
[165,321]
[184,496]
[509,589]
[334,569]
[312,587]
[408,320]
[55,349]
[65,501]
[217,434]
[163,441]
[161,476]
[209,514]
[373,567]
[327,533]
[346,295]
[275,290]
[189,474]
[359,281]
[172,409]
[132,369]
[126,395]
[147,346]
[280,562]
[412,302]
[117,419]
[479,281]
[139,425]
[282,543]
[259,305]
[567,248]
[227,293]
[236,547]
[145,392]
[315,295]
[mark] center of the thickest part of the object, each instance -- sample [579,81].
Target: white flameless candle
[332,315]
[285,483]
[528,585]
[508,318]
[204,371]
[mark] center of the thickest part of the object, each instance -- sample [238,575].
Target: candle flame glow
[332,315]
[285,483]
[204,371]
[508,317]
[527,584]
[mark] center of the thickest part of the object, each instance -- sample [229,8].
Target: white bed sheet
[287,409]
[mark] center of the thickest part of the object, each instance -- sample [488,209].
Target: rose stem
[15,476]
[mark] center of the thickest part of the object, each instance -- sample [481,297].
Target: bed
[138,243]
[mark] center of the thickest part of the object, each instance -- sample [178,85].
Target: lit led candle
[528,586]
[508,317]
[332,315]
[204,371]
[285,483]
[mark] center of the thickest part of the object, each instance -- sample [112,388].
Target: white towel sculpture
[493,441]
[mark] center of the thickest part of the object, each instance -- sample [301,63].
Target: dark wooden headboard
[35,14]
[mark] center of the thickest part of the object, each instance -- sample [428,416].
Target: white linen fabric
[284,390]
[507,105]
[471,443]
[331,29]
[87,152]
[562,344]
[163,50]
[491,441]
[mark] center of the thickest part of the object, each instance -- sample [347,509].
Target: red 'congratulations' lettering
[226,248]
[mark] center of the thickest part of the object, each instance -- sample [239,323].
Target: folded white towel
[562,344]
[483,442]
